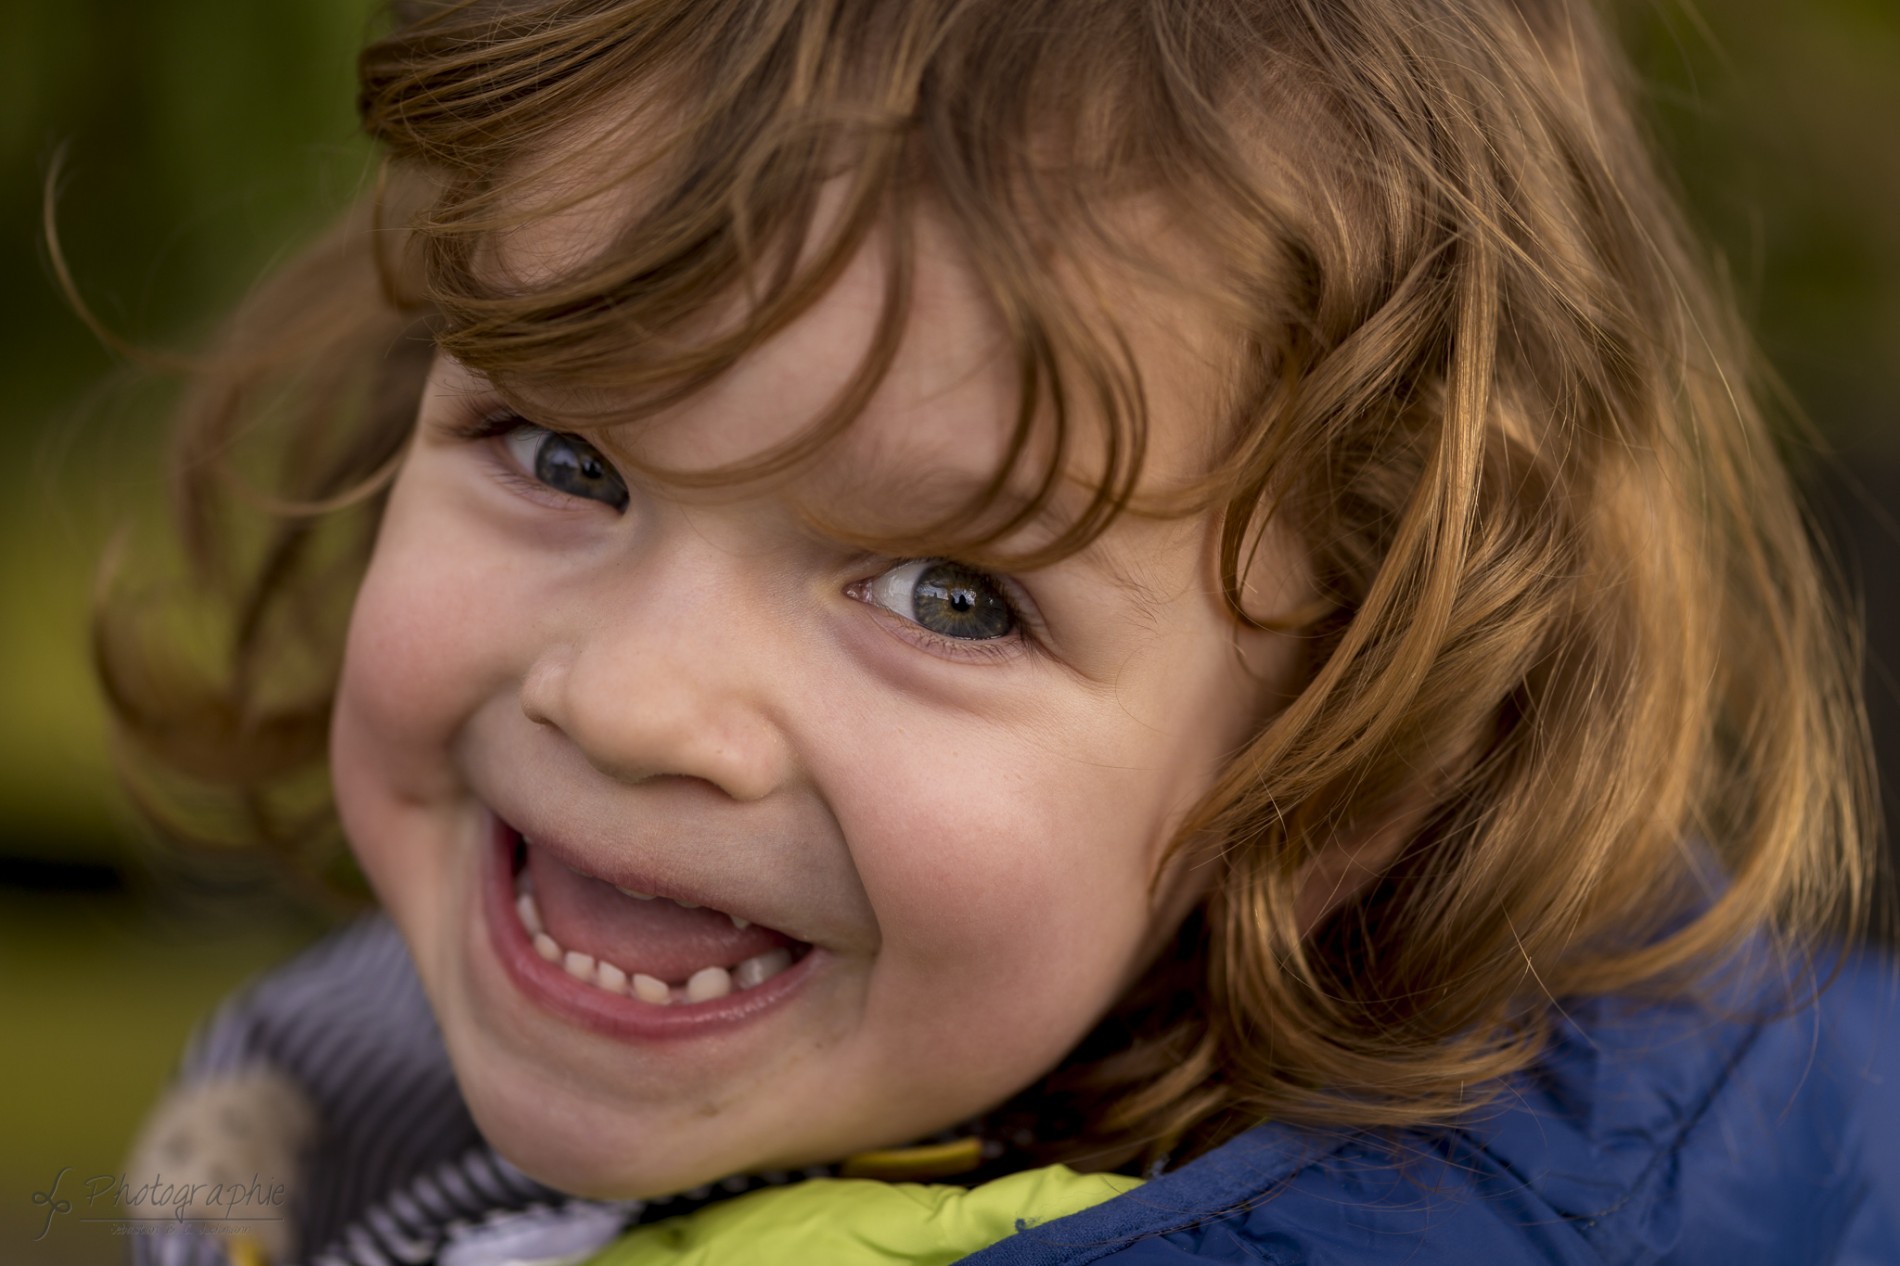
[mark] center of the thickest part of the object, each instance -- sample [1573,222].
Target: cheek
[1019,863]
[415,668]
[424,650]
[1002,870]
[1010,882]
[398,698]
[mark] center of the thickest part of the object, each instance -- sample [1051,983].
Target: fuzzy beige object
[225,1151]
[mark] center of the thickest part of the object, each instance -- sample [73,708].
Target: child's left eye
[945,598]
[566,463]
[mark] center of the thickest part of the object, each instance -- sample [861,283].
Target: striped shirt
[397,1173]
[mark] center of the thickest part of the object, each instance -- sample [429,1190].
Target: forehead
[940,421]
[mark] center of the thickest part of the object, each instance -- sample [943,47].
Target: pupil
[572,465]
[953,601]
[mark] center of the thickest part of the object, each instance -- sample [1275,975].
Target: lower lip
[625,1018]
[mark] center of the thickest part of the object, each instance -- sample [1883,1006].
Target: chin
[591,1154]
[581,1147]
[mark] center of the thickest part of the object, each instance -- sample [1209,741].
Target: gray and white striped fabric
[397,1169]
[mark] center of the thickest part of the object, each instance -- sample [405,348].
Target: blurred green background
[203,140]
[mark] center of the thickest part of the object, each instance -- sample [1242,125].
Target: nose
[658,673]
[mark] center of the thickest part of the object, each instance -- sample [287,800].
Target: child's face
[956,842]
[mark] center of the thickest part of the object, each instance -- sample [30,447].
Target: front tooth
[544,946]
[651,989]
[529,912]
[637,896]
[610,978]
[741,924]
[708,983]
[580,966]
[759,969]
[684,905]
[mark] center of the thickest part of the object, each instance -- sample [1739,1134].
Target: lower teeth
[705,985]
[651,989]
[708,983]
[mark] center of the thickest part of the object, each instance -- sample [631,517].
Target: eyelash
[488,426]
[491,428]
[995,650]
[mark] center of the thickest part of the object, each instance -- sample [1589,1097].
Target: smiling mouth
[648,949]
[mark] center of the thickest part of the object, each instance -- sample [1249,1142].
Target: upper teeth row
[702,986]
[741,924]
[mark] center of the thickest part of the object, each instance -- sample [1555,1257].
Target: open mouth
[647,948]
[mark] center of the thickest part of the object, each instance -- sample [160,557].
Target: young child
[1040,631]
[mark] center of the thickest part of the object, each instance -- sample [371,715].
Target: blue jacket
[1648,1133]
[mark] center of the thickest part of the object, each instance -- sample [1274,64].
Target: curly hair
[1574,656]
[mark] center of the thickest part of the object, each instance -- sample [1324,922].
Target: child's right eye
[566,463]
